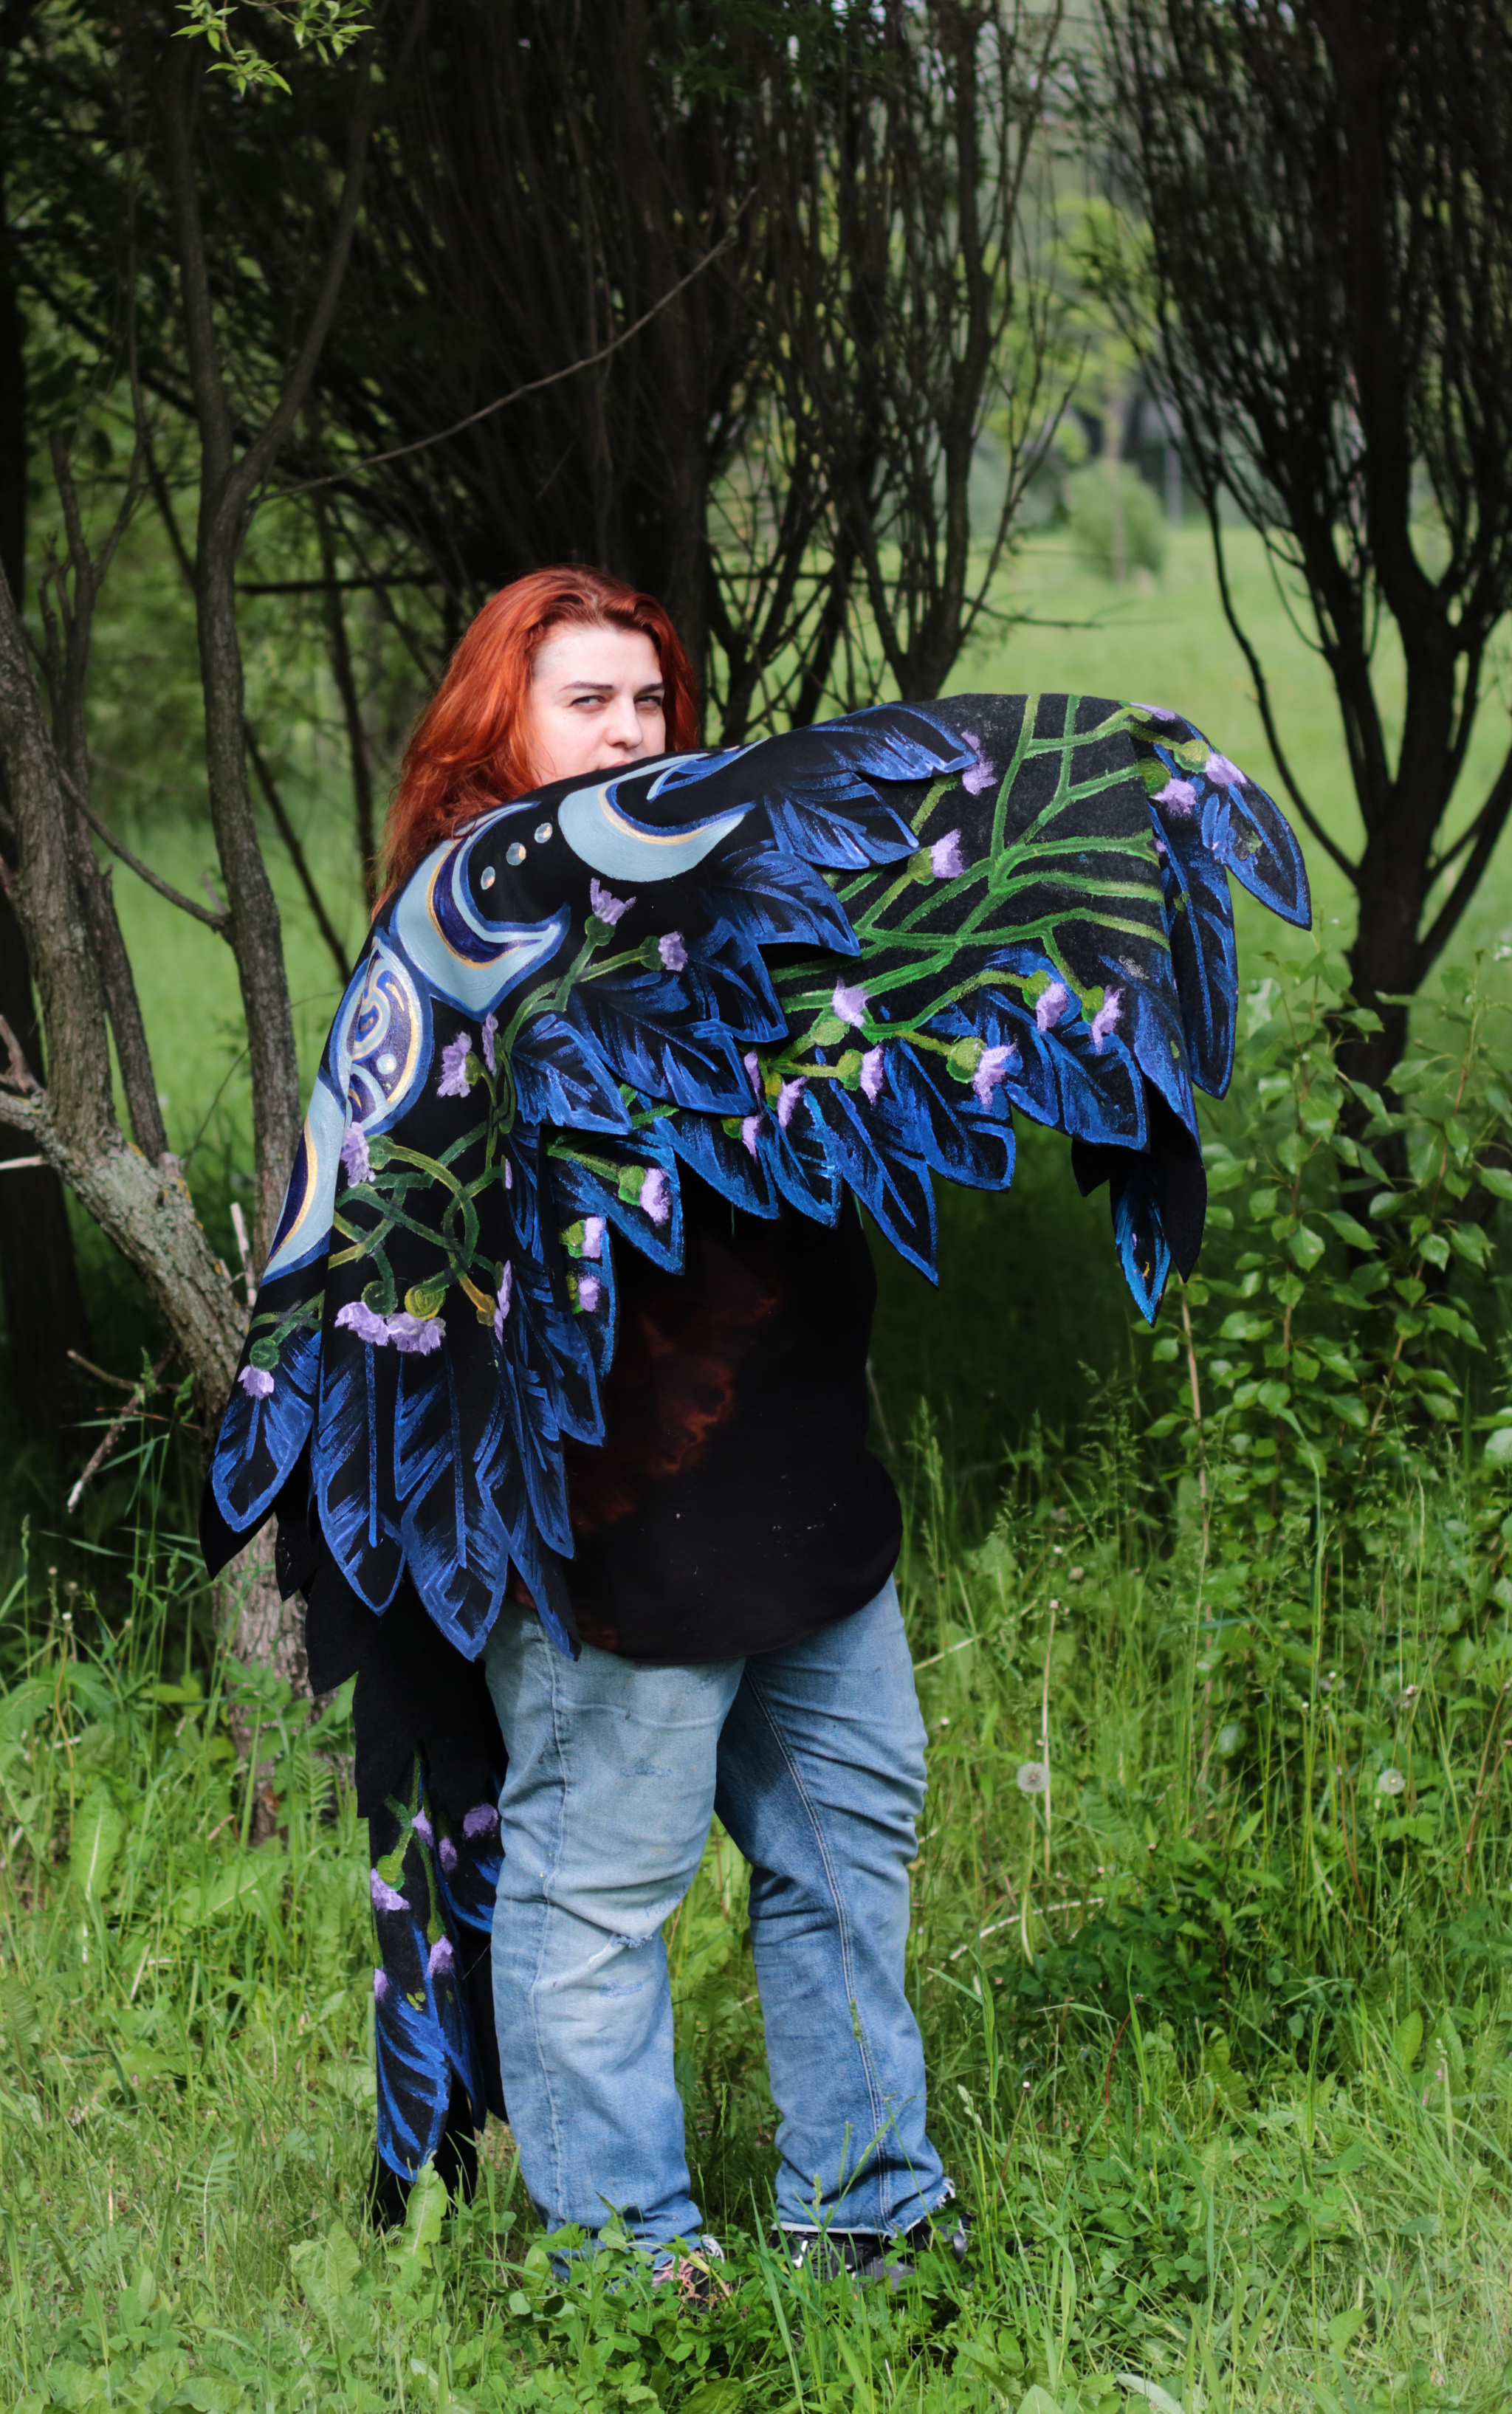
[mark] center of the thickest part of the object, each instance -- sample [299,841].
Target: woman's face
[596,701]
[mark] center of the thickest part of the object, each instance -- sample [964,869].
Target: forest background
[905,350]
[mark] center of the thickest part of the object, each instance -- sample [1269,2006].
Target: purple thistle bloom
[1223,773]
[448,1855]
[982,773]
[850,1005]
[355,1162]
[380,1986]
[749,1129]
[416,1337]
[509,1173]
[423,1828]
[358,1318]
[491,1032]
[453,1082]
[500,1306]
[256,1382]
[673,954]
[945,860]
[1051,1006]
[1155,712]
[482,1820]
[872,1075]
[592,1236]
[656,1197]
[1108,1016]
[385,1896]
[753,1067]
[787,1098]
[590,1291]
[1179,795]
[993,1068]
[440,1963]
[609,907]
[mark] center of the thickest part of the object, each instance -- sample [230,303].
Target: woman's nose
[624,723]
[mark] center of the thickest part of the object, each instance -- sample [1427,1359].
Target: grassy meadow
[1214,1639]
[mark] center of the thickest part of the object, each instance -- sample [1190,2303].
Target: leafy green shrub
[1089,507]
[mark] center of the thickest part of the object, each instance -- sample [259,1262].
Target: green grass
[1220,2049]
[1218,2030]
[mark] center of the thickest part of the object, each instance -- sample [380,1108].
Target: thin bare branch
[218,922]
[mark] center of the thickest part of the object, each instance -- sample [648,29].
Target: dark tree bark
[44,1307]
[1328,185]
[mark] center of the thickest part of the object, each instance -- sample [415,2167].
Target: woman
[557,1366]
[743,1649]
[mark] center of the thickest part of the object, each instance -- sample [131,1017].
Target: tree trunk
[38,1274]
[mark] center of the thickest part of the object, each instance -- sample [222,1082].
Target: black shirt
[733,1506]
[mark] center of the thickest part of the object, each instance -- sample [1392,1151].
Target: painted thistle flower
[448,1855]
[787,1098]
[1179,795]
[440,1963]
[1223,773]
[416,1337]
[385,1897]
[491,1034]
[992,1071]
[673,954]
[849,1005]
[423,1828]
[945,860]
[453,1082]
[1108,1016]
[753,1069]
[256,1382]
[380,1986]
[656,1196]
[609,907]
[982,773]
[749,1129]
[1051,1006]
[500,1305]
[482,1820]
[358,1318]
[873,1074]
[590,1291]
[355,1162]
[592,1236]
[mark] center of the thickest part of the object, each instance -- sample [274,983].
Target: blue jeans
[814,1759]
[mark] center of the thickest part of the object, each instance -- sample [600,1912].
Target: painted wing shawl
[840,956]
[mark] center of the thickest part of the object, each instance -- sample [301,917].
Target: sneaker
[869,2256]
[692,2276]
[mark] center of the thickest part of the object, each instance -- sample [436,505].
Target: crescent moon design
[605,837]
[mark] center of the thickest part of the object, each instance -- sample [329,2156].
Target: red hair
[470,748]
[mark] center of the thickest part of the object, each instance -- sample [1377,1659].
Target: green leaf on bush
[1469,1242]
[1306,1247]
[1350,1230]
[1496,1179]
